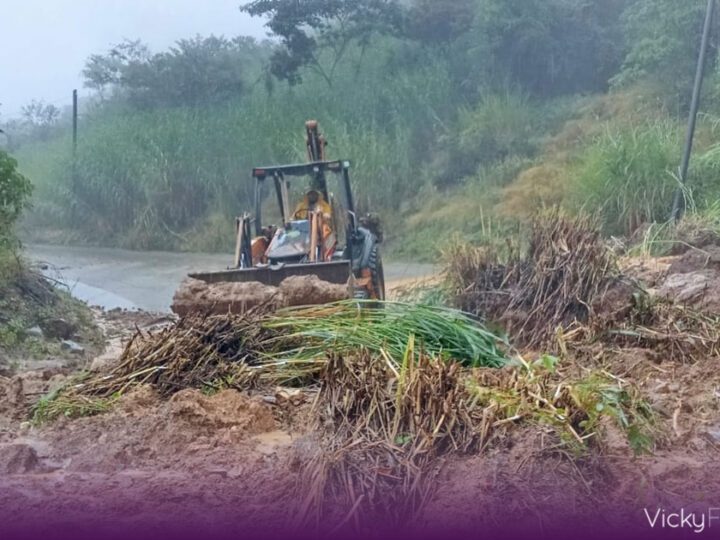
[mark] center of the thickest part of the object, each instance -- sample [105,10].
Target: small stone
[236,472]
[35,332]
[294,396]
[72,347]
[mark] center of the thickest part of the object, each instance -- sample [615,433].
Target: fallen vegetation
[382,429]
[236,351]
[552,284]
[598,375]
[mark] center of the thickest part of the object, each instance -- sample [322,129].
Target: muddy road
[146,280]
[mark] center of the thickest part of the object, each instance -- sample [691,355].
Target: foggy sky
[44,43]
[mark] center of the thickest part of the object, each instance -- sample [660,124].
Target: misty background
[45,43]
[460,116]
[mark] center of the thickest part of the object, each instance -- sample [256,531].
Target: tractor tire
[377,273]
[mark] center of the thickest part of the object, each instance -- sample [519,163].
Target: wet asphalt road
[118,278]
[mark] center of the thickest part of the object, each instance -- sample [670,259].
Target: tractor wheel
[377,273]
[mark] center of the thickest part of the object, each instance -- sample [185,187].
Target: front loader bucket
[237,291]
[333,272]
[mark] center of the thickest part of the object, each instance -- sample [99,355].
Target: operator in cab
[312,201]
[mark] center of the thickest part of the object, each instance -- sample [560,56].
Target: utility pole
[75,121]
[694,105]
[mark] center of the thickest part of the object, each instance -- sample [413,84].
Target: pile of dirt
[193,462]
[228,297]
[691,279]
[143,429]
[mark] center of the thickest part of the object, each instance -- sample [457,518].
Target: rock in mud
[72,347]
[692,279]
[110,356]
[714,433]
[35,332]
[699,289]
[17,458]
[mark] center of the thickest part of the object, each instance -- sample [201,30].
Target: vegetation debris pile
[215,352]
[565,268]
[382,428]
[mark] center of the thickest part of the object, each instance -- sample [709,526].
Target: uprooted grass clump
[382,427]
[292,345]
[565,267]
[307,334]
[680,333]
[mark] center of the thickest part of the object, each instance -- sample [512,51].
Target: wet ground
[117,278]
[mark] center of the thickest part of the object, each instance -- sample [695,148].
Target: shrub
[501,126]
[15,192]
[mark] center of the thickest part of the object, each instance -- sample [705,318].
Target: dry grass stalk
[677,332]
[566,266]
[383,429]
[194,352]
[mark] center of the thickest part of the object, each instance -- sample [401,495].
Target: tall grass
[165,178]
[627,175]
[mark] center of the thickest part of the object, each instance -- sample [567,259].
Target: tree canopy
[194,71]
[309,28]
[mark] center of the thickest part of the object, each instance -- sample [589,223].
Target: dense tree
[40,114]
[664,40]
[194,71]
[107,70]
[431,21]
[311,28]
[552,47]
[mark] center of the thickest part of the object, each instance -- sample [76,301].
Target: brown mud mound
[17,458]
[226,297]
[143,429]
[219,298]
[198,461]
[309,290]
